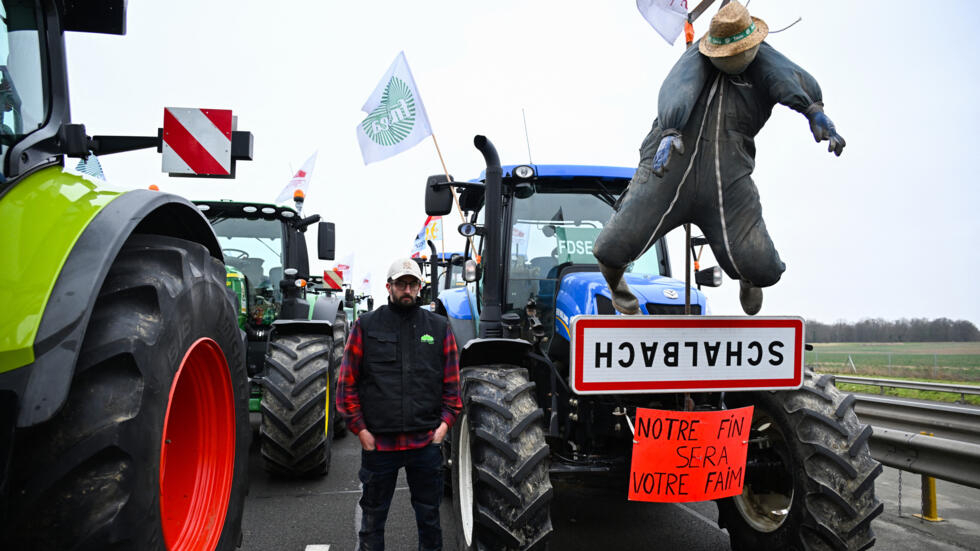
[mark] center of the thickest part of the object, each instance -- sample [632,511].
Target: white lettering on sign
[662,354]
[574,247]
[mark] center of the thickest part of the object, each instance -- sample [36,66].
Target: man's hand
[367,440]
[440,434]
[823,129]
[662,157]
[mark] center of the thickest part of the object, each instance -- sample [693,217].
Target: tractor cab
[552,215]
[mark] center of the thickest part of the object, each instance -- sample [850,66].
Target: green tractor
[123,389]
[295,330]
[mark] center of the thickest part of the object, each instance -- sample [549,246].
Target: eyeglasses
[402,285]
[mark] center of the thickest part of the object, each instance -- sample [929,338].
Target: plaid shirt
[349,403]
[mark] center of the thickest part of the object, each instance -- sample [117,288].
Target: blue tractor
[530,273]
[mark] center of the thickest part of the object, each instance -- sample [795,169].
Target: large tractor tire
[500,485]
[809,481]
[336,358]
[296,434]
[150,450]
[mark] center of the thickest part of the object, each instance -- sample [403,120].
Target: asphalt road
[309,515]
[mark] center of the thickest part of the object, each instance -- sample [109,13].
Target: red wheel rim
[197,455]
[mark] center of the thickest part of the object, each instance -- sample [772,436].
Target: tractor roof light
[268,210]
[299,196]
[287,213]
[249,209]
[524,171]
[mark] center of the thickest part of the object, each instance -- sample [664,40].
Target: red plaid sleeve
[348,401]
[451,402]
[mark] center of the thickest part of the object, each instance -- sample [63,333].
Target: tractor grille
[655,309]
[604,306]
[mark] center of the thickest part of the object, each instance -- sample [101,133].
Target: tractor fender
[493,351]
[66,312]
[288,327]
[326,307]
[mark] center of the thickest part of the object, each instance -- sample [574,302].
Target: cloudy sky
[888,230]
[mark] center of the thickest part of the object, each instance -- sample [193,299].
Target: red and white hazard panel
[197,141]
[333,279]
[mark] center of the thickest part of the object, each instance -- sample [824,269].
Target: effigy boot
[622,298]
[750,296]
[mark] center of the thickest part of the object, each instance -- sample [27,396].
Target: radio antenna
[526,139]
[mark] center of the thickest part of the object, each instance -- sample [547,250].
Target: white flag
[300,181]
[346,265]
[366,283]
[396,118]
[667,17]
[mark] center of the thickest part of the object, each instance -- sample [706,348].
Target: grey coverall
[717,115]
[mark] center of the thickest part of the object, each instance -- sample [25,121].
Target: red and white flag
[431,231]
[365,283]
[346,265]
[667,17]
[300,181]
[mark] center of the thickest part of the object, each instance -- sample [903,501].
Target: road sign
[648,354]
[333,279]
[197,141]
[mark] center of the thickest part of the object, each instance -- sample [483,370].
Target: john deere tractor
[295,330]
[123,391]
[542,403]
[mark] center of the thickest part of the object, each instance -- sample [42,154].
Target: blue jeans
[378,474]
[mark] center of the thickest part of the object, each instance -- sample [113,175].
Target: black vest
[400,382]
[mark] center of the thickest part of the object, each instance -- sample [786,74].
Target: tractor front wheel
[500,486]
[809,481]
[297,414]
[150,450]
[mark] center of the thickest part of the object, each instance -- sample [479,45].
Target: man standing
[398,391]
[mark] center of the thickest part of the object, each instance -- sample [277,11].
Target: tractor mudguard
[286,327]
[493,351]
[43,385]
[325,308]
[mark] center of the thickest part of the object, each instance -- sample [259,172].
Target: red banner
[681,456]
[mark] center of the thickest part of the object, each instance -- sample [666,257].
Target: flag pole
[452,189]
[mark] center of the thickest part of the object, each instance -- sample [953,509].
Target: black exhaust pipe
[493,259]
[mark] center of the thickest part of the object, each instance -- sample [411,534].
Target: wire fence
[936,366]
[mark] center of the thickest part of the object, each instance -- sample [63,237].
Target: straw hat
[732,31]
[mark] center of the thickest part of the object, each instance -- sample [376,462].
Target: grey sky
[889,229]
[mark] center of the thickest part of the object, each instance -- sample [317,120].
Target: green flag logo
[427,339]
[392,120]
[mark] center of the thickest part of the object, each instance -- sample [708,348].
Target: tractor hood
[586,293]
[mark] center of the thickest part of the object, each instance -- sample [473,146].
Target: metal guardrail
[941,458]
[962,390]
[953,454]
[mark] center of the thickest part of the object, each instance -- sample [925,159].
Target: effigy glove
[823,129]
[668,143]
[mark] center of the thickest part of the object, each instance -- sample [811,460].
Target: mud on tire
[825,499]
[90,477]
[500,485]
[295,434]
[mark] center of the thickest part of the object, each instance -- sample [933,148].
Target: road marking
[318,547]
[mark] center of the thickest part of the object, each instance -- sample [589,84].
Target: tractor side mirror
[326,240]
[348,298]
[708,277]
[438,196]
[370,303]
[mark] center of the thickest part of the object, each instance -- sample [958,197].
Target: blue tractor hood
[658,295]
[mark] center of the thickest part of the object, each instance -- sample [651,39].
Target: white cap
[402,267]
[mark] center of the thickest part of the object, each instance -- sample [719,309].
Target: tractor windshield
[23,71]
[254,248]
[556,227]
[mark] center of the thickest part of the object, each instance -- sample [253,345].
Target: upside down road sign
[197,141]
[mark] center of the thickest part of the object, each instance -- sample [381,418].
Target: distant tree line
[903,330]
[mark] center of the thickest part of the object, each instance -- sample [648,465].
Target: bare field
[942,361]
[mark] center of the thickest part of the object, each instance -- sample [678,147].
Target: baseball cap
[402,267]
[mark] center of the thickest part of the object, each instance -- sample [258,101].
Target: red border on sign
[582,323]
